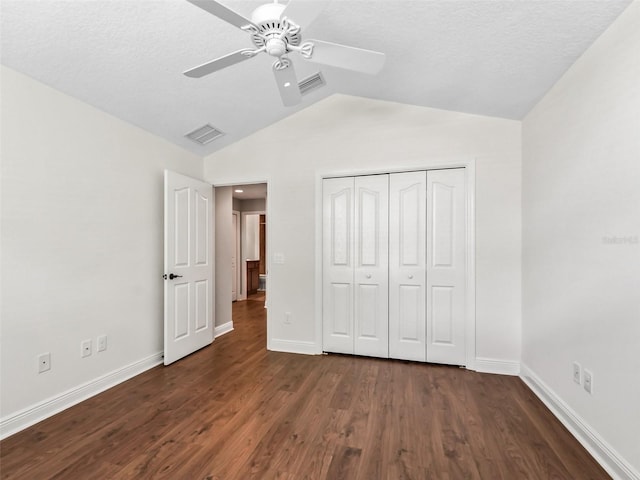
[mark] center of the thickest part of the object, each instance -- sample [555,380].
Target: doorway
[251,267]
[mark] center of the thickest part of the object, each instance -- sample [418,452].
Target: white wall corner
[222,329]
[294,346]
[604,454]
[31,415]
[499,367]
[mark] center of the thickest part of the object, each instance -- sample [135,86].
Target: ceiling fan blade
[349,58]
[217,64]
[220,11]
[288,85]
[304,12]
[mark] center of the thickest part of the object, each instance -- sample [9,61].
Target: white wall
[581,189]
[252,205]
[82,241]
[224,251]
[348,134]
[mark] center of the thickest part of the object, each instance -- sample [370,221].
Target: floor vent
[311,83]
[204,134]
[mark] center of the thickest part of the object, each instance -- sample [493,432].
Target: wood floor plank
[237,411]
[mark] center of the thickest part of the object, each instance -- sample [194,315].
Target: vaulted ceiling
[126,57]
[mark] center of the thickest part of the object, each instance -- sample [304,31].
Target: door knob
[410,277]
[368,275]
[171,276]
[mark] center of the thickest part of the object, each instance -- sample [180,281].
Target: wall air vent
[204,134]
[311,83]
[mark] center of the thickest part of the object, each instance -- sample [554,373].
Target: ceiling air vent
[204,135]
[311,83]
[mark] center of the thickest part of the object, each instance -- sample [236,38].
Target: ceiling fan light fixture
[269,12]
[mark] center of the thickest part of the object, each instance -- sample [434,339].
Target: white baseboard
[500,367]
[29,416]
[222,329]
[290,346]
[604,454]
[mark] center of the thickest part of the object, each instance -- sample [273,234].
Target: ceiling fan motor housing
[267,19]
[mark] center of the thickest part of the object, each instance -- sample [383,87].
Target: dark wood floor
[237,411]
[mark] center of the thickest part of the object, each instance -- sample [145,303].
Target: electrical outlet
[102,343]
[44,362]
[287,318]
[85,348]
[577,372]
[588,381]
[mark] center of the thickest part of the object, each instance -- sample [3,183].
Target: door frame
[469,164]
[236,246]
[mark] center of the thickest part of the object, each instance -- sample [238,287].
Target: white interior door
[234,257]
[188,265]
[407,265]
[446,237]
[371,276]
[337,265]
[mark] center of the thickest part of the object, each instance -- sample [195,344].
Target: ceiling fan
[276,29]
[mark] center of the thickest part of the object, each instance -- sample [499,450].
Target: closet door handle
[410,277]
[368,275]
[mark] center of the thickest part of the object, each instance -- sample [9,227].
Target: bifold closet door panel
[446,266]
[407,265]
[371,279]
[338,265]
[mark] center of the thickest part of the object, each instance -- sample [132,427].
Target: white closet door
[446,238]
[371,283]
[337,265]
[407,272]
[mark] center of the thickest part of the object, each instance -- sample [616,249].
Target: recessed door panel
[368,226]
[442,227]
[181,233]
[341,226]
[442,323]
[201,304]
[341,312]
[411,317]
[410,238]
[181,311]
[202,239]
[407,250]
[368,323]
[446,266]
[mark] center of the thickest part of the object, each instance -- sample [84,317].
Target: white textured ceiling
[126,57]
